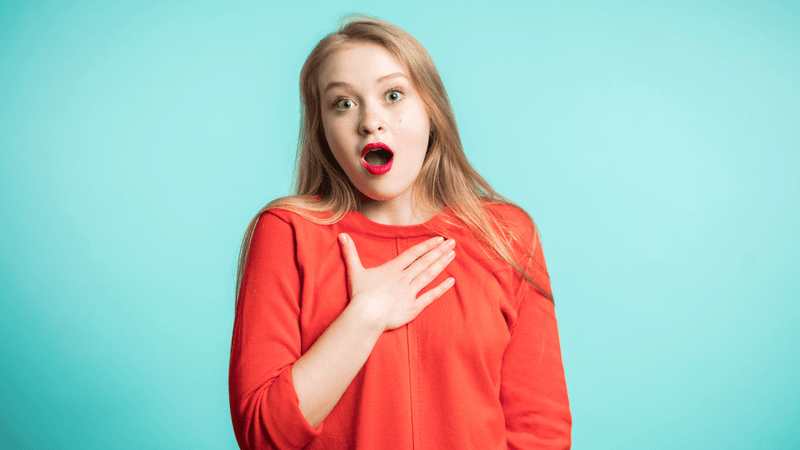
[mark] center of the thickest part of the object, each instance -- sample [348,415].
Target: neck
[395,211]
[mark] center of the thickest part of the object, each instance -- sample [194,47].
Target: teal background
[656,144]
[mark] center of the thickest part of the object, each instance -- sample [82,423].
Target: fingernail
[343,238]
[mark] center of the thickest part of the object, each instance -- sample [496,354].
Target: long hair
[319,185]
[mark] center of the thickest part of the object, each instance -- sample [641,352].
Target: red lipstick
[377,170]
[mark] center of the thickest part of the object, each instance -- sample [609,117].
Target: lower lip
[377,170]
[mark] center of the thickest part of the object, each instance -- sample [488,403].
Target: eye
[343,104]
[394,95]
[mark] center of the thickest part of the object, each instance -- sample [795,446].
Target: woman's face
[369,103]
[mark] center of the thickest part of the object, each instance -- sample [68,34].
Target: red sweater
[480,368]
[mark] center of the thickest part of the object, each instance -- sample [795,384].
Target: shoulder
[514,221]
[277,235]
[304,230]
[279,225]
[273,221]
[276,215]
[294,217]
[270,230]
[297,210]
[526,242]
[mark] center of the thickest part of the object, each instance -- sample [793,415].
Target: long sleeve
[533,388]
[431,384]
[266,342]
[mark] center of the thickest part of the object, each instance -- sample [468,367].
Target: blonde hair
[446,177]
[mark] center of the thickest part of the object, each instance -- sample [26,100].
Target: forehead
[359,64]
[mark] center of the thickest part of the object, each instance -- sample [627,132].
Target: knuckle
[429,259]
[434,253]
[416,255]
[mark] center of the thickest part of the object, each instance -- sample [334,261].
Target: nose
[371,122]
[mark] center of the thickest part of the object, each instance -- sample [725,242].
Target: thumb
[351,259]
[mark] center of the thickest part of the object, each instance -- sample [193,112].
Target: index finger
[406,258]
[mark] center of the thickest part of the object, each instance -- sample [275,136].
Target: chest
[469,323]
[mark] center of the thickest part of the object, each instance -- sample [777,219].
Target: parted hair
[320,185]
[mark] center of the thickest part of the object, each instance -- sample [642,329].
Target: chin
[369,197]
[372,196]
[378,198]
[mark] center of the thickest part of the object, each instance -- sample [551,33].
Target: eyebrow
[334,84]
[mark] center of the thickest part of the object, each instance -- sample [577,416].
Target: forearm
[325,371]
[533,388]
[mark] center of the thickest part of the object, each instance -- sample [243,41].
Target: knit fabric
[480,368]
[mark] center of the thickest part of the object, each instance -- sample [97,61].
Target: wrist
[365,319]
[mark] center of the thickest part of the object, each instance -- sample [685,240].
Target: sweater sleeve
[533,389]
[266,342]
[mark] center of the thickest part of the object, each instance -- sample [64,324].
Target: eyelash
[335,104]
[395,89]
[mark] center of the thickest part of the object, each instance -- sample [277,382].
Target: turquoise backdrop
[656,144]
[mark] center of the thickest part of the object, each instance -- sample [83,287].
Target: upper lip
[375,145]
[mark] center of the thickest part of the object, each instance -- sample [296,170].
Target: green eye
[394,96]
[344,104]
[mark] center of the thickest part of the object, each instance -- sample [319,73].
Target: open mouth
[377,158]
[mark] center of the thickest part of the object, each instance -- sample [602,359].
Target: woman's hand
[387,295]
[381,298]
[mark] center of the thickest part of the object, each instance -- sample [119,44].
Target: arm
[383,298]
[533,388]
[279,397]
[323,374]
[266,342]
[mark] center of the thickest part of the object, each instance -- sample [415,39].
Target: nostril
[366,129]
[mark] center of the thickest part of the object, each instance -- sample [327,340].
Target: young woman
[396,301]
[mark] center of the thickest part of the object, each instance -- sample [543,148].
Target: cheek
[332,139]
[333,133]
[420,127]
[415,124]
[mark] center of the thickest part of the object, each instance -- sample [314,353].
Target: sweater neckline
[368,226]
